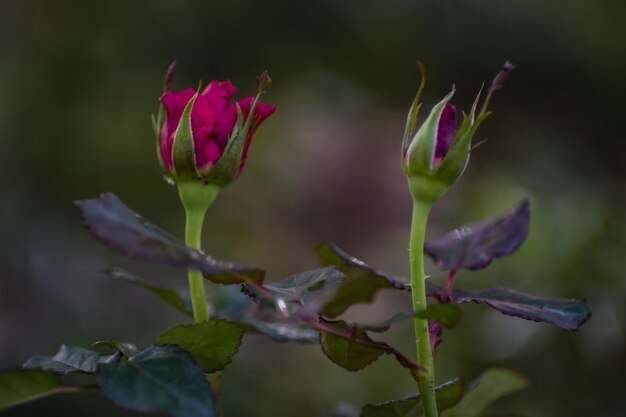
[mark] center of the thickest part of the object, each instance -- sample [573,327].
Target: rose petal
[445,131]
[203,120]
[174,103]
[219,94]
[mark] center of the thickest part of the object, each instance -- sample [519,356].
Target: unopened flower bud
[436,154]
[204,137]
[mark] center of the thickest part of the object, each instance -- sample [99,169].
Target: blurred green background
[79,80]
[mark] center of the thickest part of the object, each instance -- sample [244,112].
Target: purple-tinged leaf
[566,314]
[113,223]
[363,281]
[475,246]
[447,395]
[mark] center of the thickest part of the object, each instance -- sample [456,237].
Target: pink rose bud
[435,155]
[205,136]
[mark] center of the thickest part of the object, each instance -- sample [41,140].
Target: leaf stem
[426,380]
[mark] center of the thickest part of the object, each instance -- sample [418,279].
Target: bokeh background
[79,80]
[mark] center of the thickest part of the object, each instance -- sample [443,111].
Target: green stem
[193,232]
[196,198]
[426,380]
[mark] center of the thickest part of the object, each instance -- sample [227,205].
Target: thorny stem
[426,379]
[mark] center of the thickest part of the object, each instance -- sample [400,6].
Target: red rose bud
[205,136]
[436,154]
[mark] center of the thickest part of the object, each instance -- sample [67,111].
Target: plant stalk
[193,232]
[426,379]
[196,199]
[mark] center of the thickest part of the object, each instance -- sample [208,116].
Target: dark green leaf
[161,379]
[17,387]
[211,343]
[113,223]
[562,313]
[352,355]
[476,245]
[363,281]
[177,298]
[127,349]
[71,359]
[493,384]
[447,396]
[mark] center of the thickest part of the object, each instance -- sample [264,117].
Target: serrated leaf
[211,343]
[493,384]
[177,298]
[304,292]
[113,223]
[127,349]
[352,355]
[363,281]
[562,313]
[475,246]
[71,359]
[161,379]
[18,387]
[447,396]
[349,346]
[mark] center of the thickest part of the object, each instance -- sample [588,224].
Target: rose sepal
[183,150]
[420,154]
